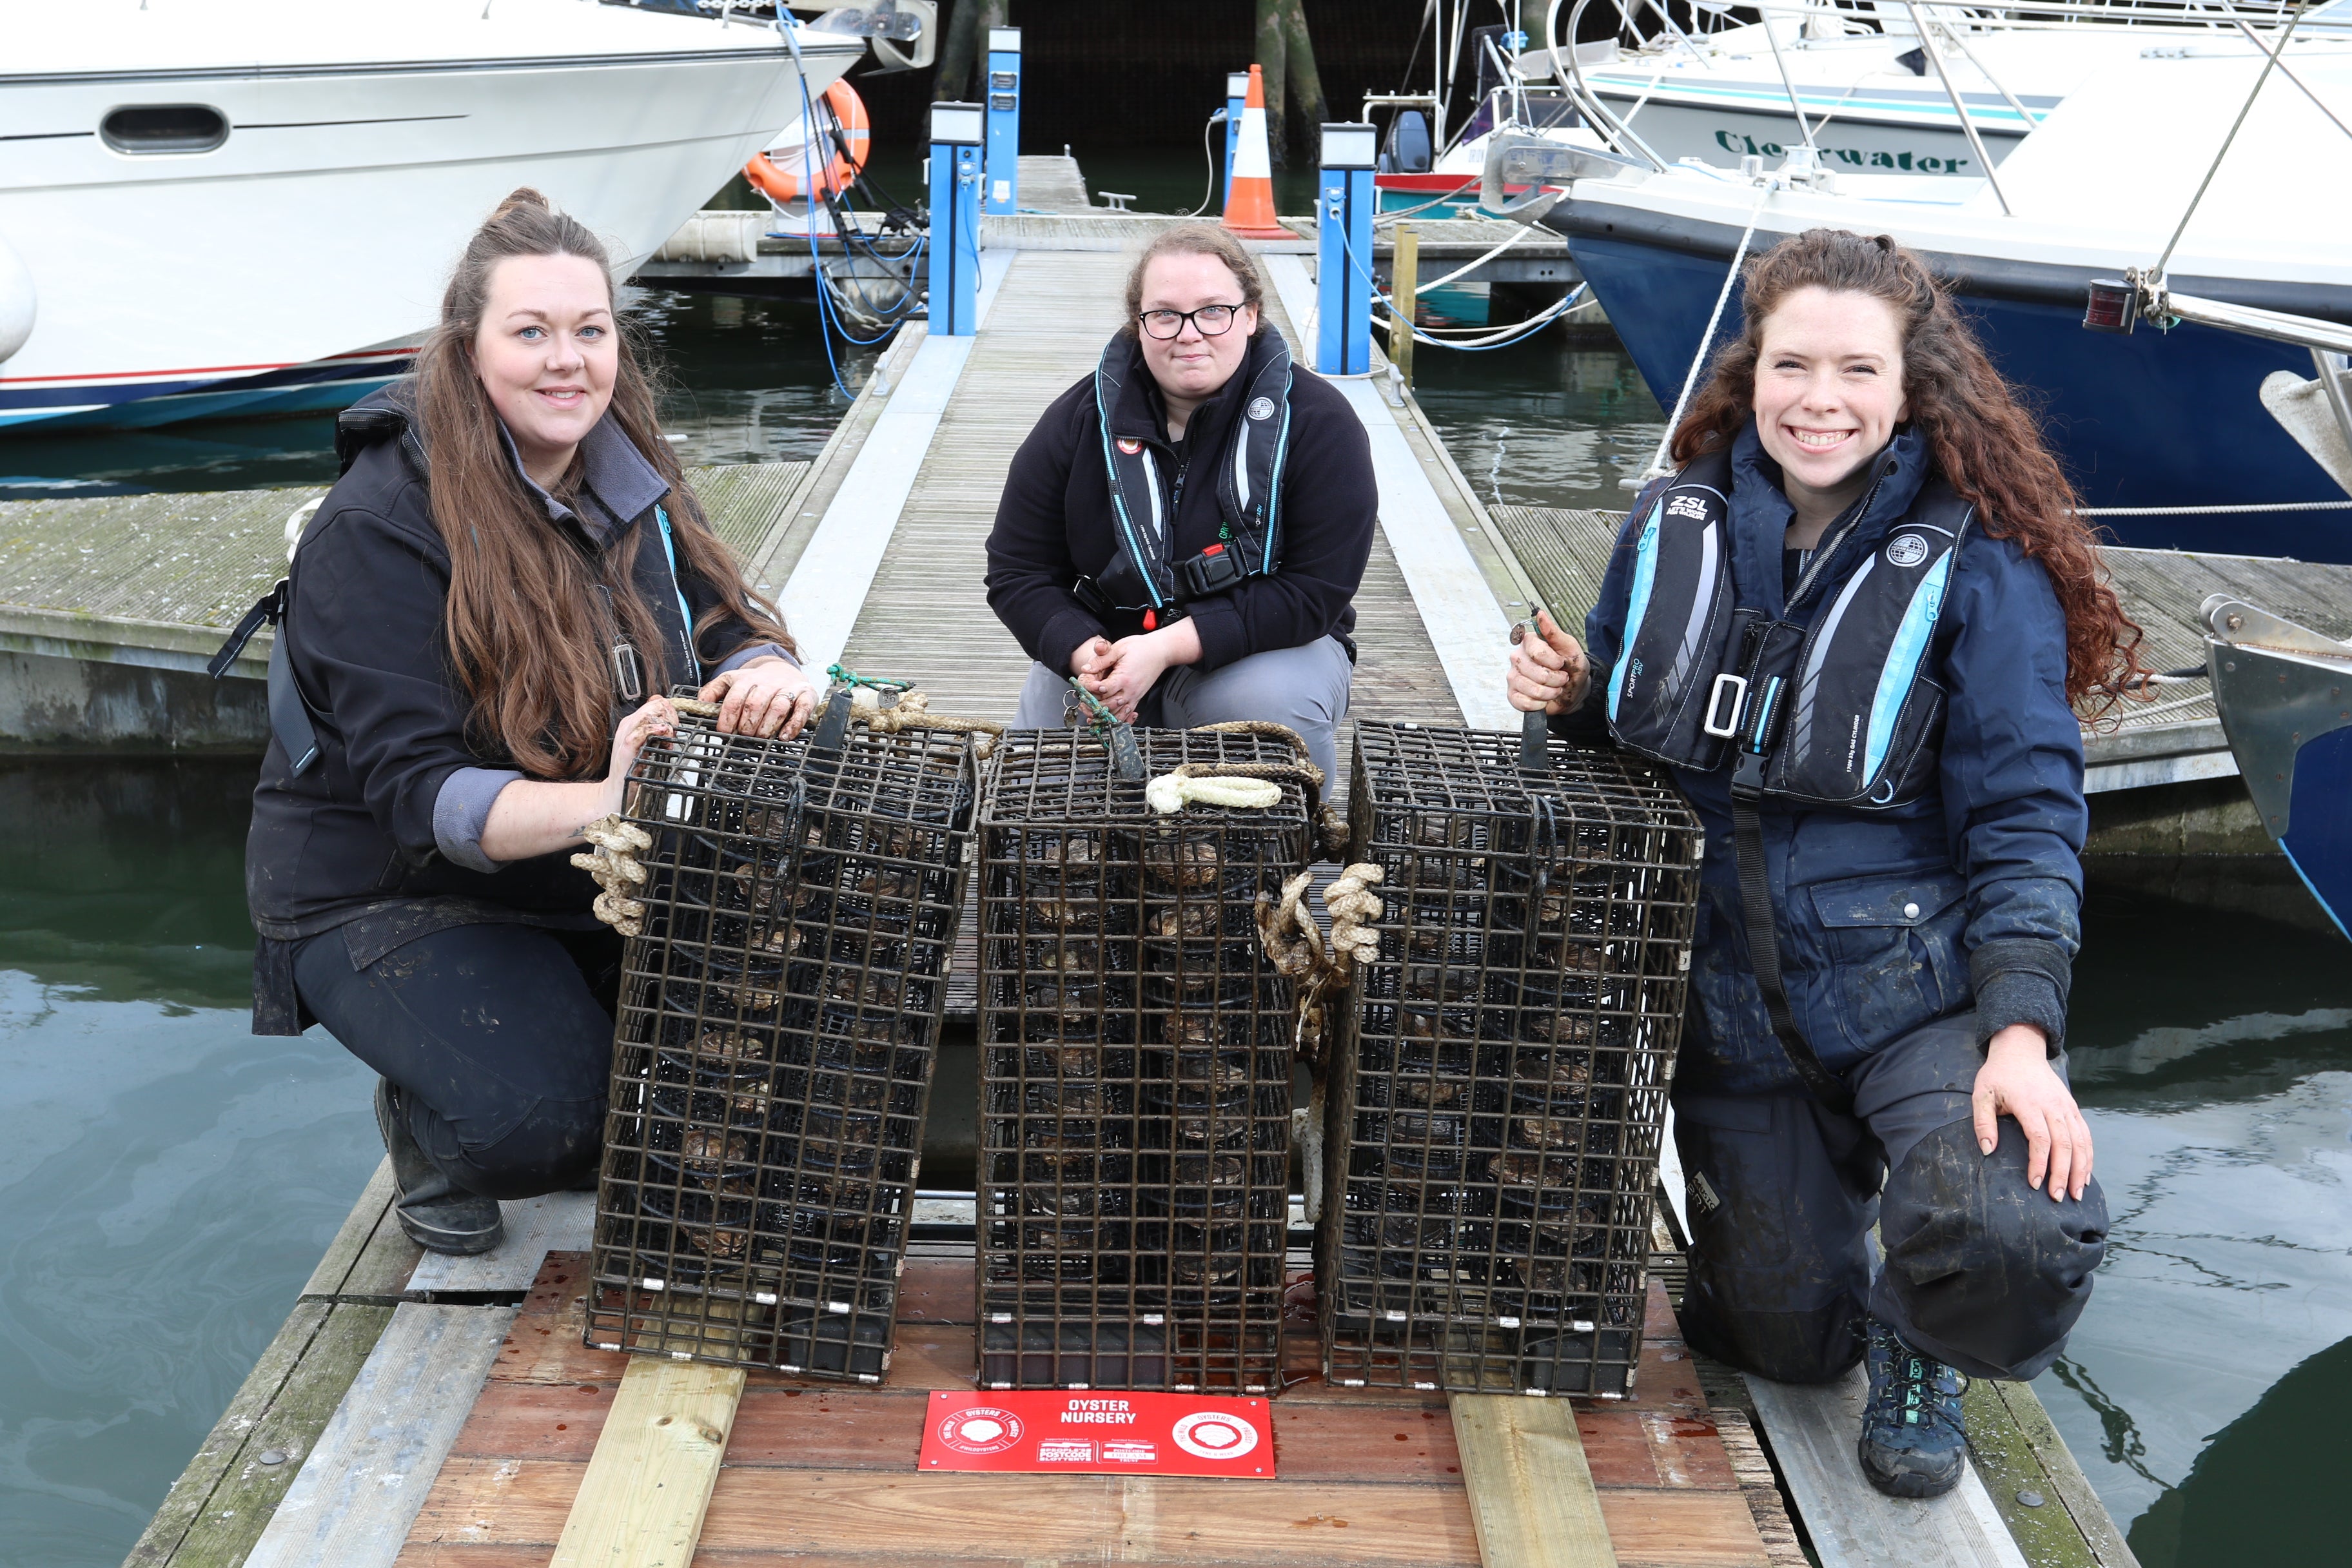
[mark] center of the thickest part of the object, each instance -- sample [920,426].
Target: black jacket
[353,835]
[1054,522]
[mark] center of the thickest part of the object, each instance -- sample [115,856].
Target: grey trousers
[1981,1271]
[1304,688]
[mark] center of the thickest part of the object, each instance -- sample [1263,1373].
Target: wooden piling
[1405,287]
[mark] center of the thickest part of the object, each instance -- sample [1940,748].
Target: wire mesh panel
[1500,1088]
[780,1016]
[1135,1072]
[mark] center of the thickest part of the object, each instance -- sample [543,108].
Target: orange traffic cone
[1249,206]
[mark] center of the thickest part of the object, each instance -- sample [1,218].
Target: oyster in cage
[1556,1029]
[1562,1070]
[717,1241]
[1432,1092]
[1229,1069]
[1555,1133]
[1182,859]
[707,1152]
[1431,983]
[1183,920]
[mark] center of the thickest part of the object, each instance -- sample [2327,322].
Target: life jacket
[1141,576]
[1839,713]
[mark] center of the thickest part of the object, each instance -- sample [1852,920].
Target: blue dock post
[1343,248]
[956,132]
[1004,121]
[1236,99]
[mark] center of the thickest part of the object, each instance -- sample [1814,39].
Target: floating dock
[425,1410]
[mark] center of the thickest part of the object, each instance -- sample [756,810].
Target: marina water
[167,1181]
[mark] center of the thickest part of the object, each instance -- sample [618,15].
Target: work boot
[1914,1440]
[439,1215]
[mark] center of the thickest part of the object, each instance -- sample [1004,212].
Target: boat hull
[1925,139]
[2290,726]
[294,268]
[2151,419]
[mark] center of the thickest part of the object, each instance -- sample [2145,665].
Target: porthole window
[164,128]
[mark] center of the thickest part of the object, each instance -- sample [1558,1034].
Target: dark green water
[167,1181]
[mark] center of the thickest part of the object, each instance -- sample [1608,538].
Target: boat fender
[1839,713]
[19,302]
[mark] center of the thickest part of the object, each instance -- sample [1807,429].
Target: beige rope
[1295,946]
[913,711]
[614,866]
[1172,792]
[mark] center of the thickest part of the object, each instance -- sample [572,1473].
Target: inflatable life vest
[1838,713]
[1140,575]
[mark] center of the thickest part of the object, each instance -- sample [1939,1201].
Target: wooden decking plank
[373,1462]
[370,1213]
[1761,1488]
[1813,1430]
[640,1502]
[554,1222]
[1532,1493]
[2018,1453]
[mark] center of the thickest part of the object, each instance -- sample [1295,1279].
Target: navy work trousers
[499,1038]
[1981,1271]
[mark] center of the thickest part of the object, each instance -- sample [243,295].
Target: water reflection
[1535,425]
[2213,1055]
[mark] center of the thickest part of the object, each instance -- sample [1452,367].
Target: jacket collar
[622,481]
[1141,413]
[1760,511]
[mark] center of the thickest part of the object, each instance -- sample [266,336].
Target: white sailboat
[244,206]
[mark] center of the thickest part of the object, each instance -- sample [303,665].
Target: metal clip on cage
[1135,1069]
[1500,1083]
[778,1022]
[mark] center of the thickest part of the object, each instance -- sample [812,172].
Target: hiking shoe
[436,1213]
[1914,1441]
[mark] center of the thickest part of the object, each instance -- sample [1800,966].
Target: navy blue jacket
[1969,896]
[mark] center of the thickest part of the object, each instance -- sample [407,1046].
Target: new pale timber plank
[1532,1493]
[641,1500]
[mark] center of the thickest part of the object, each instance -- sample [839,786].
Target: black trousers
[1981,1271]
[499,1038]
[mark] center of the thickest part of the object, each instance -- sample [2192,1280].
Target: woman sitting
[1853,624]
[481,620]
[1184,530]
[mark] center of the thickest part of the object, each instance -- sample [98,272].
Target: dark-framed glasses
[1213,320]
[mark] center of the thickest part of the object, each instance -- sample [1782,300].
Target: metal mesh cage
[1499,1087]
[779,1021]
[1135,1072]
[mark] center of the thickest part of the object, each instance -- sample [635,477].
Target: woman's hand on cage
[2018,1080]
[1124,676]
[1548,671]
[531,818]
[770,696]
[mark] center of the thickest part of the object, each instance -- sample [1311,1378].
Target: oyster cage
[1499,1083]
[778,1022]
[1135,1072]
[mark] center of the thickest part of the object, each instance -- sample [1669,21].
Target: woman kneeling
[1184,530]
[481,619]
[1853,623]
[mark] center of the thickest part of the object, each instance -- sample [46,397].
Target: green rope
[848,677]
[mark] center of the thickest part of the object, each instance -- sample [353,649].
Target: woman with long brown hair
[1853,623]
[478,631]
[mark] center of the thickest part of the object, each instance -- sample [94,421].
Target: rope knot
[614,866]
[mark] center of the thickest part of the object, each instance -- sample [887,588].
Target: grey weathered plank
[223,1501]
[369,1257]
[1812,1429]
[372,1465]
[2019,1454]
[555,1222]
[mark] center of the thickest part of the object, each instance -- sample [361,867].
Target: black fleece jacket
[354,833]
[1054,522]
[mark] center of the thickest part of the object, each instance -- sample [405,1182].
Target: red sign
[1041,1431]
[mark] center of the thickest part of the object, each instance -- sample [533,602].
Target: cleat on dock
[1913,1440]
[435,1211]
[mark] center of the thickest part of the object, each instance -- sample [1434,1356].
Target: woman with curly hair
[479,628]
[1854,622]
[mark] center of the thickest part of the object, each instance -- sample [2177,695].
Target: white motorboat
[246,206]
[2172,423]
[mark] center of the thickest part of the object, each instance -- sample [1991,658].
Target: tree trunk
[1298,60]
[957,50]
[1271,36]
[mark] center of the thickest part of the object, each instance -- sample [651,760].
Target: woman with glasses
[1184,530]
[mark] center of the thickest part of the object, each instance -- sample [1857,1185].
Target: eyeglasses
[1213,320]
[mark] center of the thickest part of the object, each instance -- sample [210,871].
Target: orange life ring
[784,185]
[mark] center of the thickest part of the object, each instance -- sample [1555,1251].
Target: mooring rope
[1297,947]
[1330,827]
[913,711]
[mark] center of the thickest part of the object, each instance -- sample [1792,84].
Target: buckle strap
[1764,949]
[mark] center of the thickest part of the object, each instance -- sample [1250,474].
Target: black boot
[439,1215]
[1915,1441]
